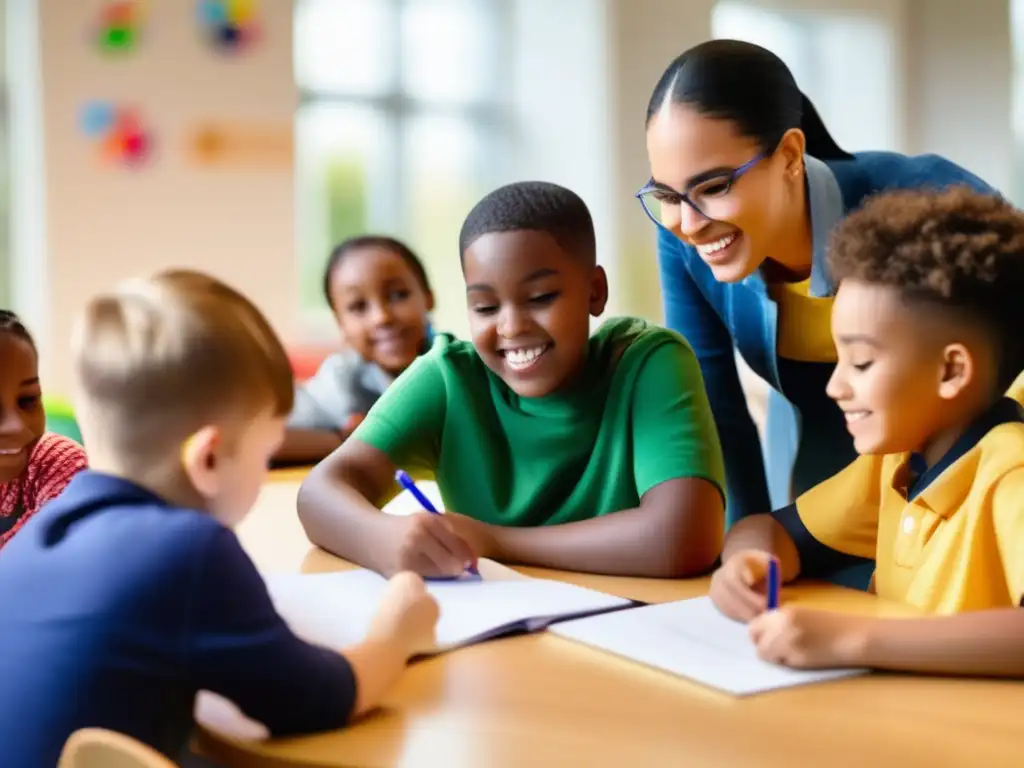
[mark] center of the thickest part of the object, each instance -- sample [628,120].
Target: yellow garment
[1016,390]
[805,323]
[958,546]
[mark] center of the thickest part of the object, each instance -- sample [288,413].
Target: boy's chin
[530,388]
[873,445]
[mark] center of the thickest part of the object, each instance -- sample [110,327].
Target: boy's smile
[530,304]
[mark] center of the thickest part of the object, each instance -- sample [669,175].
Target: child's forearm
[338,517]
[376,665]
[984,643]
[764,533]
[307,445]
[633,542]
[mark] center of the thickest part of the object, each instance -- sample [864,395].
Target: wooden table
[540,700]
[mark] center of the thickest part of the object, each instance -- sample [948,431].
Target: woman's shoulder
[893,170]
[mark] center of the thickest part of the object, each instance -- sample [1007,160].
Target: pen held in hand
[406,482]
[774,583]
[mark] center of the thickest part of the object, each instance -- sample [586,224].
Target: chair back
[100,748]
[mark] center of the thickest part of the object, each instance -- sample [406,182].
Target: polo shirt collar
[921,476]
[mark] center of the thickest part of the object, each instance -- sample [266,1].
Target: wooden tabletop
[540,700]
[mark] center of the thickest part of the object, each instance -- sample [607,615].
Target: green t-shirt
[640,416]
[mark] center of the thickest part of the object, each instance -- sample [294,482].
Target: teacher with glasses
[746,185]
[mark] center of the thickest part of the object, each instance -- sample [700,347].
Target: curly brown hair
[956,249]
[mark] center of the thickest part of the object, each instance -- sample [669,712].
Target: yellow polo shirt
[946,539]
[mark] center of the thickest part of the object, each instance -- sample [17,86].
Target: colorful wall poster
[119,27]
[118,131]
[231,26]
[238,144]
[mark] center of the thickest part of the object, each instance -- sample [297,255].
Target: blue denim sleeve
[689,313]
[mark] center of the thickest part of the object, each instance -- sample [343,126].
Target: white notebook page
[692,639]
[335,609]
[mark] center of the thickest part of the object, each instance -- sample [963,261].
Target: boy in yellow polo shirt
[927,322]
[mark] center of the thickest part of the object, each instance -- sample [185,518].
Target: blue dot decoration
[212,13]
[96,118]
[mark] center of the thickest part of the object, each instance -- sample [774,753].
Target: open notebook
[692,639]
[335,609]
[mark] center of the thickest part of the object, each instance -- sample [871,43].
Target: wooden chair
[99,748]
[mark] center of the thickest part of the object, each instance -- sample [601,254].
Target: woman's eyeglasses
[708,197]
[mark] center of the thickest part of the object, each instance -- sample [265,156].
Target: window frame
[489,116]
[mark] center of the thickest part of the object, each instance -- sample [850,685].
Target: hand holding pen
[430,545]
[747,585]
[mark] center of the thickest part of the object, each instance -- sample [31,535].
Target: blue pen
[406,482]
[773,584]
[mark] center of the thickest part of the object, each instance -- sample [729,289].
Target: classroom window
[400,128]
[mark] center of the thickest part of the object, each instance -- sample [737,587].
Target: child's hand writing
[429,545]
[809,639]
[407,615]
[739,587]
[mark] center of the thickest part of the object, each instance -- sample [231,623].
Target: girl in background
[381,298]
[34,465]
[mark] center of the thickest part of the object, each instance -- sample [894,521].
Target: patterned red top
[54,461]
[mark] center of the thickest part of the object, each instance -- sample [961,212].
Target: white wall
[960,84]
[103,223]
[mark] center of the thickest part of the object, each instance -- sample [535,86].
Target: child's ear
[430,301]
[200,454]
[598,291]
[958,370]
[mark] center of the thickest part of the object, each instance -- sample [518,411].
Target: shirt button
[908,524]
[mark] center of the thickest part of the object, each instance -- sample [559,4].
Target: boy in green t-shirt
[550,447]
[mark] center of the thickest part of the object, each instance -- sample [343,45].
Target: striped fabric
[54,461]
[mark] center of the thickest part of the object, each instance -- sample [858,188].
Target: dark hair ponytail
[749,85]
[819,141]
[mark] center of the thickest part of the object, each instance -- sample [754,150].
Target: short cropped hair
[12,324]
[397,247]
[159,358]
[534,205]
[956,249]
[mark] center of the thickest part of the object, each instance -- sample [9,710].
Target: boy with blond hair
[927,322]
[130,593]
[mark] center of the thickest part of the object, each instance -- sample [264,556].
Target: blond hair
[159,358]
